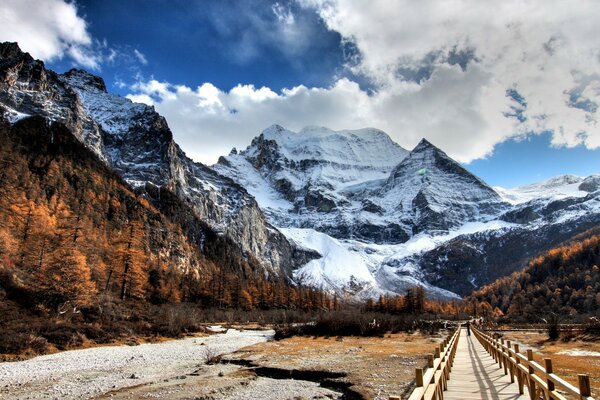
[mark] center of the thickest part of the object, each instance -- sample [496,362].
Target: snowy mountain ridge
[377,226]
[558,187]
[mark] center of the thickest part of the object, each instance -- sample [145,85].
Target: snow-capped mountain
[554,188]
[384,219]
[137,143]
[434,192]
[361,201]
[357,184]
[318,178]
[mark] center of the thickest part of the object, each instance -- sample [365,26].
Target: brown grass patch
[377,367]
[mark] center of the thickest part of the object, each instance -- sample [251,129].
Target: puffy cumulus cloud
[467,75]
[544,54]
[208,121]
[48,30]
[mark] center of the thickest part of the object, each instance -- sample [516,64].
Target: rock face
[590,184]
[137,143]
[430,191]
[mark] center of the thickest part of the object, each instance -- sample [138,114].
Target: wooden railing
[541,381]
[432,381]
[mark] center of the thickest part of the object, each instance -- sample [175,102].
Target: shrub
[345,323]
[552,327]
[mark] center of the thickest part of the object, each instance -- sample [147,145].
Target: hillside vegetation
[82,256]
[563,281]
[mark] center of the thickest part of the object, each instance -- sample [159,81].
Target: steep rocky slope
[136,142]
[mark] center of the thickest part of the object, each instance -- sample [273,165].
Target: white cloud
[440,70]
[253,29]
[48,30]
[140,56]
[546,50]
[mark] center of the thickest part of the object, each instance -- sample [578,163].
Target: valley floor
[252,367]
[365,367]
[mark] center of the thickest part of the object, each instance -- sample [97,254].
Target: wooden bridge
[481,366]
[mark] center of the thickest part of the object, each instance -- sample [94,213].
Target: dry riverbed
[360,367]
[252,367]
[144,371]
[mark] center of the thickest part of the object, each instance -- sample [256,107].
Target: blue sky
[514,111]
[519,162]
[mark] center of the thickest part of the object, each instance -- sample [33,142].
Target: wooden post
[430,361]
[517,370]
[419,377]
[510,364]
[503,356]
[584,385]
[548,367]
[531,382]
[437,353]
[530,358]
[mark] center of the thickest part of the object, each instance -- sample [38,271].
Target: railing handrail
[432,381]
[539,379]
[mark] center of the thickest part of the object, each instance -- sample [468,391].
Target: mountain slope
[361,201]
[564,280]
[431,191]
[73,230]
[137,143]
[407,219]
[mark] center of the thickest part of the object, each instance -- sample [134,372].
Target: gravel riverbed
[91,372]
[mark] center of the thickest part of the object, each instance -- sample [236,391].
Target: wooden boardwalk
[475,375]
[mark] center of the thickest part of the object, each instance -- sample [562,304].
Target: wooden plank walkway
[475,375]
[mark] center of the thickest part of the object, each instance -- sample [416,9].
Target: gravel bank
[91,372]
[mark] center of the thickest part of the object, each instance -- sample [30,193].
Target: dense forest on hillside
[563,281]
[77,244]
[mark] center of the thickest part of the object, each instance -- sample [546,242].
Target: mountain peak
[82,78]
[425,144]
[273,130]
[9,50]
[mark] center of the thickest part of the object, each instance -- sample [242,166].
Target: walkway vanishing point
[481,366]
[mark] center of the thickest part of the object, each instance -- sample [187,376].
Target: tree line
[72,231]
[562,281]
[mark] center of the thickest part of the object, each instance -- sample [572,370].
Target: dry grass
[565,365]
[377,367]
